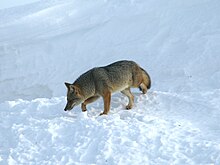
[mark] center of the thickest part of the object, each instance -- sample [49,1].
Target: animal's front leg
[89,100]
[107,100]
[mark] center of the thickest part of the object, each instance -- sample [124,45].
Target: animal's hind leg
[128,93]
[89,100]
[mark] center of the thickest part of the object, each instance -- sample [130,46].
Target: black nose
[66,108]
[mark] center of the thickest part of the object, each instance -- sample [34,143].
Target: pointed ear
[71,88]
[67,85]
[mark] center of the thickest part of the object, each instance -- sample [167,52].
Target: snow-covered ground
[46,43]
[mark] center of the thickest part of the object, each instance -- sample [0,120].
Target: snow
[45,43]
[15,3]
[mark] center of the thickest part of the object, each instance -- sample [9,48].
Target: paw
[103,113]
[83,107]
[144,91]
[128,107]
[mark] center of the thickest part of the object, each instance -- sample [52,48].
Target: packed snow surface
[46,43]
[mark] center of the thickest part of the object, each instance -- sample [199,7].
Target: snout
[69,107]
[66,108]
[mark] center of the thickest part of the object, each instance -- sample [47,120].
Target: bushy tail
[147,79]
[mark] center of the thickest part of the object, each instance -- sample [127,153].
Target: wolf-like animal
[103,81]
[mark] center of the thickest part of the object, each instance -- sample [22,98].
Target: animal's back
[122,71]
[117,76]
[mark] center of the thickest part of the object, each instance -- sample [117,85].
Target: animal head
[73,96]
